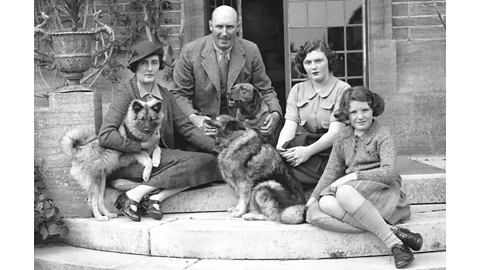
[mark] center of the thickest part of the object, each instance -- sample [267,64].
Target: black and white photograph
[245,134]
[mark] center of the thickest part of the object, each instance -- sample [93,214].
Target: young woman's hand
[296,155]
[151,142]
[342,181]
[310,202]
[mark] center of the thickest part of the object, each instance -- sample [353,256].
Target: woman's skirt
[389,200]
[177,169]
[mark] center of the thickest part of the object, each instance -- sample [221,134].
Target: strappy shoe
[123,204]
[153,210]
[402,255]
[410,239]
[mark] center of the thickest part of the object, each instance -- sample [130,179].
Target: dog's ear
[137,105]
[257,98]
[157,107]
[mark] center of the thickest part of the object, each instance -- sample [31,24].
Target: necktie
[223,68]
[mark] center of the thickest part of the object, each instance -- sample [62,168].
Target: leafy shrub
[47,222]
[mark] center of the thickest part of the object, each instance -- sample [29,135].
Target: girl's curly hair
[310,46]
[362,94]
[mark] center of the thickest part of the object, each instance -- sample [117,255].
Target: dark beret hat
[144,49]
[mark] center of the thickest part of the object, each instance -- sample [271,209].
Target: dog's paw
[146,173]
[156,156]
[102,218]
[237,213]
[252,216]
[111,215]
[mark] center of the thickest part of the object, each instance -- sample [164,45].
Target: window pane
[335,38]
[335,16]
[353,12]
[298,37]
[355,82]
[316,14]
[318,33]
[297,14]
[340,70]
[354,64]
[354,38]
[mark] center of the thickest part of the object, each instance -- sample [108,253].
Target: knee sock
[371,219]
[347,218]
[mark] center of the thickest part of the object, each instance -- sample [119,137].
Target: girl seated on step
[360,185]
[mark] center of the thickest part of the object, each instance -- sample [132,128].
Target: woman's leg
[164,194]
[365,214]
[137,194]
[330,206]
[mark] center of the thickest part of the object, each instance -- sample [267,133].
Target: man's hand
[270,123]
[197,120]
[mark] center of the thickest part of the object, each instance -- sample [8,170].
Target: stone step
[216,235]
[420,189]
[68,257]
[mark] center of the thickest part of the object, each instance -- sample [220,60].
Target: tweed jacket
[371,156]
[174,122]
[197,78]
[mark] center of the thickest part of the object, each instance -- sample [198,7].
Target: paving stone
[239,239]
[420,189]
[118,234]
[68,257]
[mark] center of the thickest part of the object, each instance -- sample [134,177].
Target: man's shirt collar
[219,52]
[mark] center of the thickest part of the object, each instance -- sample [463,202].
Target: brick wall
[417,19]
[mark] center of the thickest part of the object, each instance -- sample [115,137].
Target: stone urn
[72,50]
[73,55]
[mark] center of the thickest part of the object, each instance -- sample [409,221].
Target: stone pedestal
[65,111]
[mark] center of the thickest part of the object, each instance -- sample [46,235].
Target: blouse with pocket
[311,110]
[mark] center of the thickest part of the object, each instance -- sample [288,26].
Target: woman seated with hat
[178,169]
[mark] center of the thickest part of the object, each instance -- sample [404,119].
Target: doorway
[262,23]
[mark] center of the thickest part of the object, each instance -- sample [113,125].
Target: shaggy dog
[92,163]
[266,186]
[252,110]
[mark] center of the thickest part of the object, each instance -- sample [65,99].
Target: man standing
[207,67]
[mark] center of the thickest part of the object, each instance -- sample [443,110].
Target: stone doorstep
[438,161]
[420,188]
[68,257]
[218,236]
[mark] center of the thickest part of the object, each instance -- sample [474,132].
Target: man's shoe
[410,239]
[402,255]
[123,204]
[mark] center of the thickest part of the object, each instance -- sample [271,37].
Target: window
[340,24]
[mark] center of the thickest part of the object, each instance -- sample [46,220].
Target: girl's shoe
[153,211]
[402,255]
[410,239]
[123,204]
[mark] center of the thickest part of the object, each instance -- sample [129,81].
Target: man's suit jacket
[197,78]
